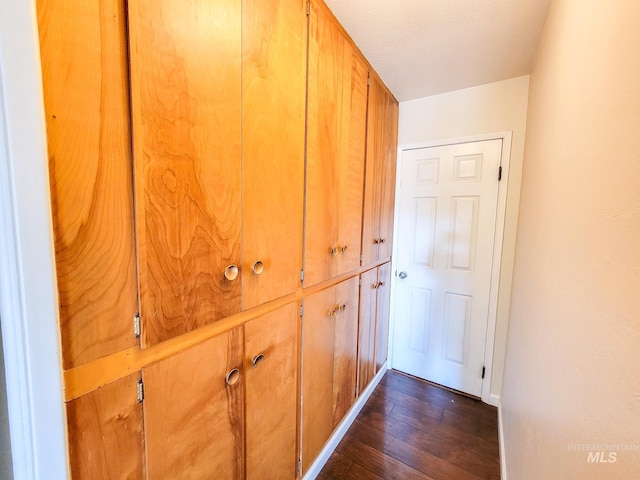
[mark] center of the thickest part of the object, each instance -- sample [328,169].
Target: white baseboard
[492,399]
[503,461]
[340,432]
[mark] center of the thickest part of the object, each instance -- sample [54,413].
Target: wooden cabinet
[336,129]
[186,93]
[373,329]
[84,71]
[195,404]
[218,122]
[329,346]
[273,129]
[105,432]
[380,176]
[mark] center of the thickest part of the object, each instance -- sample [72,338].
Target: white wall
[572,373]
[28,302]
[491,108]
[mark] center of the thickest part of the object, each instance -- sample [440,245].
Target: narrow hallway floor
[410,429]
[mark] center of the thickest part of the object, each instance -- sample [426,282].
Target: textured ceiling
[425,47]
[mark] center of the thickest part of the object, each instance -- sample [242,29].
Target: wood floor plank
[410,429]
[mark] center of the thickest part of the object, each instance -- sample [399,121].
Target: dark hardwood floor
[411,429]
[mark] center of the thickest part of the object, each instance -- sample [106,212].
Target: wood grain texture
[382,315]
[336,128]
[412,429]
[273,130]
[84,70]
[345,354]
[382,138]
[367,329]
[272,394]
[318,330]
[186,102]
[194,421]
[105,433]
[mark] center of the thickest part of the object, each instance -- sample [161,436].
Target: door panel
[273,106]
[367,329]
[345,357]
[383,312]
[105,432]
[447,225]
[83,50]
[194,420]
[337,96]
[379,193]
[186,87]
[272,394]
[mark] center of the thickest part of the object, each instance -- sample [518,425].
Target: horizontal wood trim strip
[92,375]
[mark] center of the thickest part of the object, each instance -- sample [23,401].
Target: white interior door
[447,208]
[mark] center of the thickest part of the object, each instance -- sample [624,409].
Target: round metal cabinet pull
[374,286]
[258,267]
[380,284]
[376,241]
[344,249]
[334,251]
[233,376]
[382,240]
[332,313]
[231,273]
[342,308]
[257,359]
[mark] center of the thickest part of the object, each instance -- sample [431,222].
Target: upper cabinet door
[186,92]
[273,102]
[382,141]
[83,49]
[336,118]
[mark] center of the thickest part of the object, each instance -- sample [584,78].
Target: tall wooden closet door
[185,74]
[83,49]
[382,134]
[193,412]
[273,103]
[271,366]
[337,91]
[105,433]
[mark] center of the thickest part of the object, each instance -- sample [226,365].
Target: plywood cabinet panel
[186,93]
[329,343]
[105,433]
[273,105]
[271,366]
[382,314]
[382,135]
[337,102]
[84,68]
[194,420]
[367,328]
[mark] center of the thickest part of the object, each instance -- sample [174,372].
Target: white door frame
[28,292]
[497,248]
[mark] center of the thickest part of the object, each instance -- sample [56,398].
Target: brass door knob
[231,272]
[232,377]
[257,268]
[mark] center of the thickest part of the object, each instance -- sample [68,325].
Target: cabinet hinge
[499,173]
[360,281]
[301,310]
[140,389]
[137,327]
[308,8]
[299,467]
[357,391]
[368,79]
[302,275]
[361,257]
[483,371]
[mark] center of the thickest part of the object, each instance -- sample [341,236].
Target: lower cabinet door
[329,345]
[271,388]
[367,328]
[383,307]
[194,412]
[105,432]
